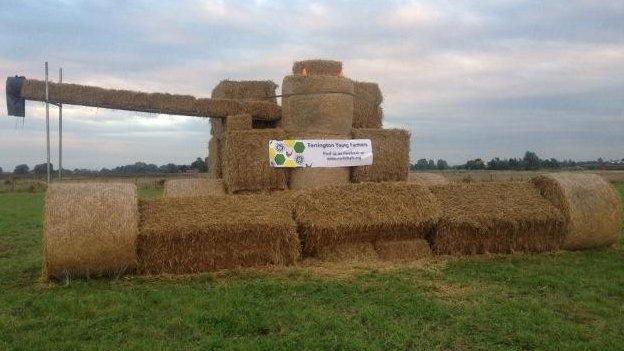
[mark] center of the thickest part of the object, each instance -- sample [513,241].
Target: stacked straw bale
[590,204]
[317,107]
[364,213]
[90,229]
[390,155]
[321,104]
[238,122]
[309,178]
[215,169]
[193,187]
[245,159]
[317,67]
[496,218]
[367,111]
[246,90]
[403,250]
[188,235]
[427,179]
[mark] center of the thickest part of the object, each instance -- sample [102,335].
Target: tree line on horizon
[530,161]
[199,165]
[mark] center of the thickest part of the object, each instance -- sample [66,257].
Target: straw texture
[321,104]
[317,67]
[246,161]
[590,204]
[89,229]
[215,169]
[496,218]
[427,179]
[348,252]
[193,187]
[367,112]
[246,90]
[364,213]
[403,250]
[390,155]
[189,235]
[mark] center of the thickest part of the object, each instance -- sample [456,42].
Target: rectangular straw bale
[89,229]
[238,122]
[217,127]
[215,169]
[189,235]
[366,212]
[221,108]
[246,90]
[245,161]
[318,67]
[391,149]
[496,218]
[193,187]
[367,112]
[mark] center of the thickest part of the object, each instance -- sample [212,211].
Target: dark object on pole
[16,104]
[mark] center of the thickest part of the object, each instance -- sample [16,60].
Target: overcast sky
[467,78]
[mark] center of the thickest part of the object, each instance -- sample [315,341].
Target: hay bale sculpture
[248,213]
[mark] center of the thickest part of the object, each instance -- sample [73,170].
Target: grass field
[568,300]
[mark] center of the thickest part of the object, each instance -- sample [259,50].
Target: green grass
[569,300]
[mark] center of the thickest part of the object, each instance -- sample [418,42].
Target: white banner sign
[320,153]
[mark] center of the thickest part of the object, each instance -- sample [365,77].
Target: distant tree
[42,169]
[442,164]
[431,164]
[475,164]
[531,161]
[422,164]
[1,170]
[199,165]
[21,169]
[168,168]
[551,164]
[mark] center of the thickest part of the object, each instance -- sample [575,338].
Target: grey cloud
[470,79]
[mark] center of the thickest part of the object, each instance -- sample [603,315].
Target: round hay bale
[90,229]
[318,67]
[309,177]
[590,205]
[193,187]
[427,179]
[322,104]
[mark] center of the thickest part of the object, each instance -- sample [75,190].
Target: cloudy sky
[467,78]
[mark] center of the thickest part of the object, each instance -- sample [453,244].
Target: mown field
[566,300]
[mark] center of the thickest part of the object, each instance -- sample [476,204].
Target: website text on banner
[320,153]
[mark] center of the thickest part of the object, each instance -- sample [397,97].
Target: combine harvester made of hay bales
[249,213]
